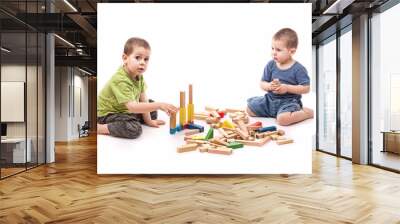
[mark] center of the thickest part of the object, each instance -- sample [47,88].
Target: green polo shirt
[120,89]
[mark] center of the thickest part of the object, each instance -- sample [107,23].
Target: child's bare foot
[308,112]
[250,113]
[102,129]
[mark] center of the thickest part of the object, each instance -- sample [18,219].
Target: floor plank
[70,191]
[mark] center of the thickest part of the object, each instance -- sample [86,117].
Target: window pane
[327,97]
[346,94]
[386,89]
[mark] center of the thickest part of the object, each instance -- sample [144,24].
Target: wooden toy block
[235,145]
[221,114]
[265,134]
[190,113]
[194,137]
[233,135]
[274,137]
[190,105]
[258,123]
[228,124]
[229,140]
[262,141]
[216,126]
[200,117]
[182,109]
[219,141]
[252,128]
[221,150]
[212,120]
[208,108]
[198,137]
[204,148]
[230,110]
[222,132]
[194,126]
[187,147]
[286,141]
[196,141]
[247,142]
[179,127]
[172,123]
[242,134]
[215,114]
[210,134]
[281,132]
[242,126]
[192,132]
[264,129]
[259,142]
[228,131]
[281,138]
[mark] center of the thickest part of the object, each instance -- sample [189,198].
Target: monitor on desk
[3,130]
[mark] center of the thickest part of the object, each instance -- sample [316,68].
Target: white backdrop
[219,48]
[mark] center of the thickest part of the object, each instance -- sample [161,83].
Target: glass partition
[346,94]
[327,96]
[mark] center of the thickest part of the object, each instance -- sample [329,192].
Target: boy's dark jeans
[125,125]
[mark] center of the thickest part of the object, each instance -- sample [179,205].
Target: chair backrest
[86,126]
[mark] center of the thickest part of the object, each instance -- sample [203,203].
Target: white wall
[68,83]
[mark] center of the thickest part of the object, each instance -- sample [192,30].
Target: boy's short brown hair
[288,35]
[135,42]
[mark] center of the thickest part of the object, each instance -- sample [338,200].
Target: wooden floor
[70,191]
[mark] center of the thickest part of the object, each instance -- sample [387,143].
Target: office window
[23,81]
[327,96]
[385,87]
[346,94]
[13,83]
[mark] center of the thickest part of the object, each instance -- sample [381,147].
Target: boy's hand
[155,123]
[281,89]
[275,84]
[168,108]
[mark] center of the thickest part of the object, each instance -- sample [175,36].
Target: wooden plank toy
[242,134]
[286,141]
[192,132]
[221,150]
[187,148]
[194,126]
[264,129]
[235,145]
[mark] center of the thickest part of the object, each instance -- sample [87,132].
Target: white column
[360,90]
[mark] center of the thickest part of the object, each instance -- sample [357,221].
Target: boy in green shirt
[122,105]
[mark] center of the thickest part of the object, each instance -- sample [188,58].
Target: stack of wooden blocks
[231,133]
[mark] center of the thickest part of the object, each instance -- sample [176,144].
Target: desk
[15,148]
[391,141]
